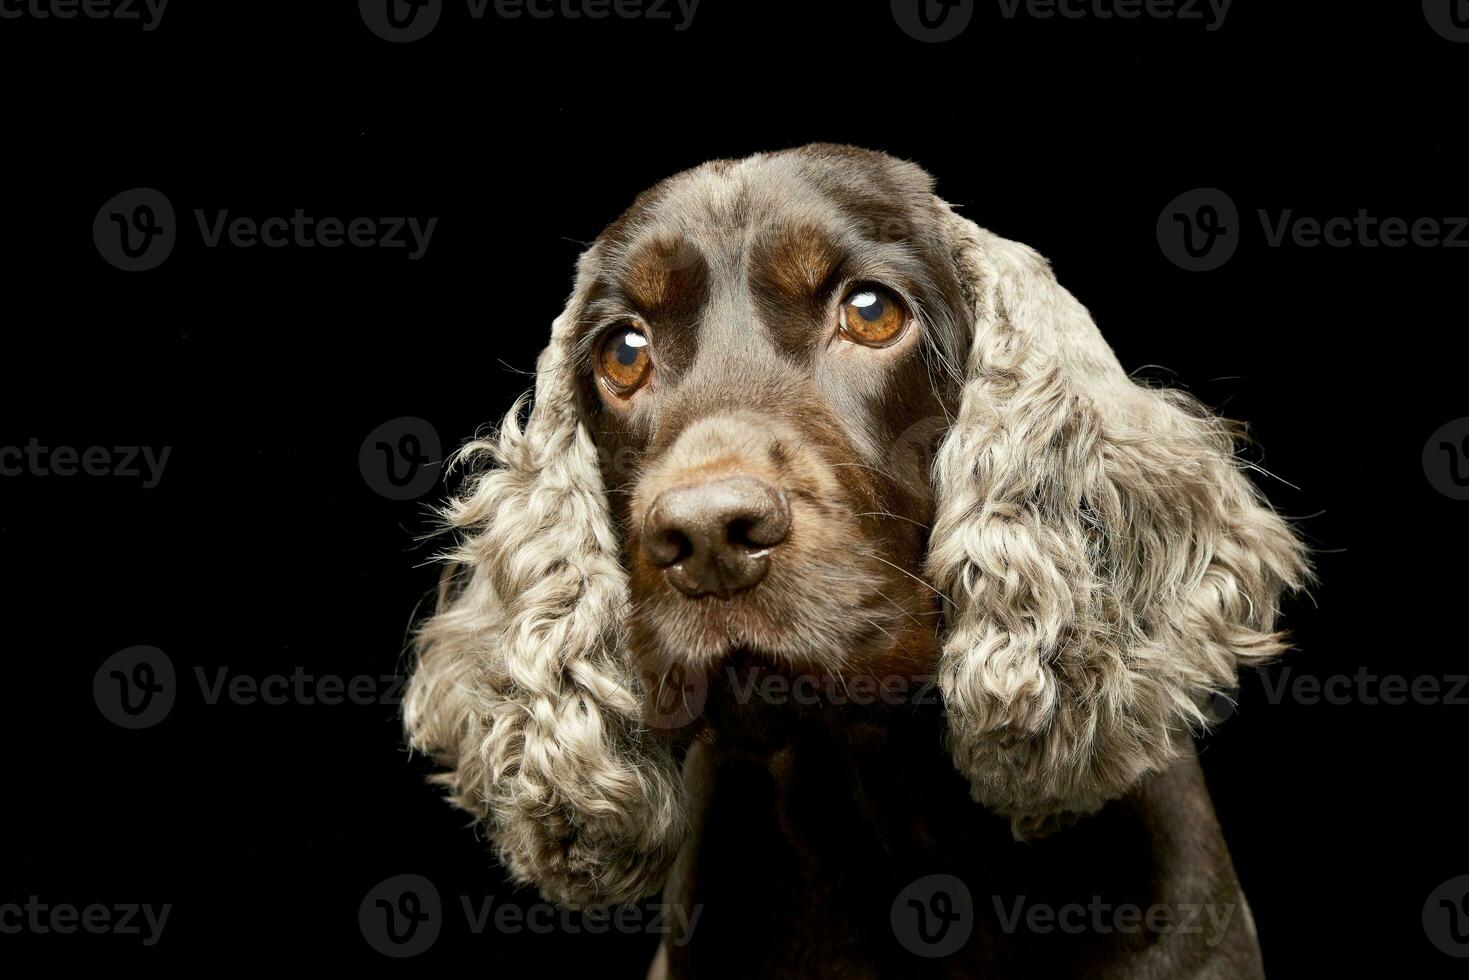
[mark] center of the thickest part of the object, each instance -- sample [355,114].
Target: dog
[841,585]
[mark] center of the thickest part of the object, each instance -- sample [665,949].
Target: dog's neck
[875,777]
[808,824]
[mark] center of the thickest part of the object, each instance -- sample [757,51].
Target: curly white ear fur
[1108,564]
[523,686]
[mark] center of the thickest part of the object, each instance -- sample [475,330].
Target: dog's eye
[873,316]
[623,361]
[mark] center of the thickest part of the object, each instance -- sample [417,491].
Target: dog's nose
[716,537]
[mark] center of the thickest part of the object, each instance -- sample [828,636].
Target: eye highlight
[622,361]
[873,316]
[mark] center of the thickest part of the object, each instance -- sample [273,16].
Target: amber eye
[873,316]
[623,360]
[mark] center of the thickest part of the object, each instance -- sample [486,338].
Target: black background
[264,550]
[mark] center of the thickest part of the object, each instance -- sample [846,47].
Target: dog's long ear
[1107,563]
[523,686]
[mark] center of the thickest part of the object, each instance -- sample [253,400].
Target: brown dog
[842,585]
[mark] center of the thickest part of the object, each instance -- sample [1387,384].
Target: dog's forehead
[723,206]
[785,216]
[726,198]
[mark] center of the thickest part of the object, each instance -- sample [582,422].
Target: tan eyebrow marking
[662,269]
[798,261]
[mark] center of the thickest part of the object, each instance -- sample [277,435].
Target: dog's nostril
[667,546]
[715,537]
[738,534]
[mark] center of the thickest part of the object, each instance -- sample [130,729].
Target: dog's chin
[757,668]
[755,702]
[797,634]
[748,700]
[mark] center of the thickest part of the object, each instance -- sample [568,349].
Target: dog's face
[794,402]
[768,353]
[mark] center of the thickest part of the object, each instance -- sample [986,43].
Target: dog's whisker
[877,627]
[915,578]
[869,467]
[896,517]
[846,692]
[897,606]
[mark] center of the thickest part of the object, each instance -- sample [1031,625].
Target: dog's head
[799,412]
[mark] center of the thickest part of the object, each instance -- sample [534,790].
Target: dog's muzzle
[716,537]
